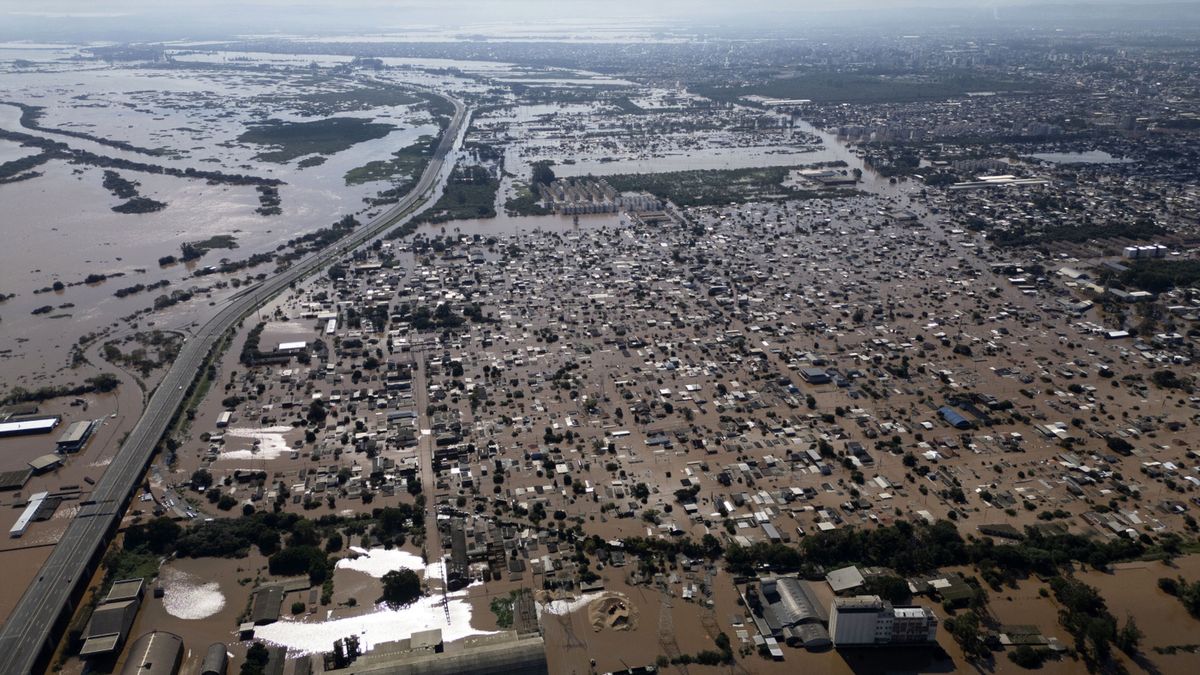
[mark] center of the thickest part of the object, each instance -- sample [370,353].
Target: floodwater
[62,228]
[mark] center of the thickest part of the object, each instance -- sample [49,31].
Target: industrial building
[787,609]
[28,425]
[216,660]
[76,436]
[155,653]
[45,463]
[506,653]
[869,620]
[112,619]
[27,516]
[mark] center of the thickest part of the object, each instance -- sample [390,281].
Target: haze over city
[623,338]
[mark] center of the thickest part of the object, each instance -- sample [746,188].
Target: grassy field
[717,186]
[525,203]
[830,87]
[362,98]
[320,137]
[407,162]
[470,193]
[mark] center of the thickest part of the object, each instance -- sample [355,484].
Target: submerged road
[31,633]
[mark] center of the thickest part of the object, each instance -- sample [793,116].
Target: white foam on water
[436,571]
[561,607]
[379,561]
[382,625]
[185,597]
[271,443]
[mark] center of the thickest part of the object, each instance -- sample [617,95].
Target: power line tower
[666,632]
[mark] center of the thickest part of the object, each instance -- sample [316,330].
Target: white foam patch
[185,597]
[383,625]
[436,571]
[267,443]
[379,561]
[561,607]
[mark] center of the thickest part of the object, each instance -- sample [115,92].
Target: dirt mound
[613,611]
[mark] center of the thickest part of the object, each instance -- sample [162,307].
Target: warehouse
[953,418]
[499,654]
[216,660]
[29,425]
[76,436]
[155,653]
[45,463]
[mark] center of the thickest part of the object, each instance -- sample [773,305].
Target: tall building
[869,620]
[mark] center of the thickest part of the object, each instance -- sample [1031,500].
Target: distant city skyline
[161,19]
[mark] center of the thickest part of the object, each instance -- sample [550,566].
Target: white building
[869,620]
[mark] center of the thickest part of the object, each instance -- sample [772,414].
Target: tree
[401,587]
[256,660]
[317,412]
[1027,657]
[965,630]
[201,480]
[1129,638]
[543,174]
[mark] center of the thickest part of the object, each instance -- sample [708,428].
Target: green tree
[401,587]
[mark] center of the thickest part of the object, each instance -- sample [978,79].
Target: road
[39,620]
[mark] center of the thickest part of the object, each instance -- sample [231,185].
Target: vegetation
[1029,657]
[1187,593]
[99,384]
[302,559]
[542,173]
[525,203]
[912,548]
[502,607]
[965,629]
[717,186]
[140,205]
[320,137]
[407,162]
[256,660]
[1086,618]
[192,250]
[401,587]
[1073,232]
[1158,276]
[470,193]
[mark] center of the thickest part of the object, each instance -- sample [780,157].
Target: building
[112,620]
[216,660]
[155,653]
[76,436]
[815,376]
[953,418]
[266,604]
[29,425]
[868,620]
[787,609]
[845,579]
[505,653]
[26,517]
[45,463]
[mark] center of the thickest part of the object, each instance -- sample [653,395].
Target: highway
[40,619]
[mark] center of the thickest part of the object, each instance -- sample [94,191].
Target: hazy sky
[194,18]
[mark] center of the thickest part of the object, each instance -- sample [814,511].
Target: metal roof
[155,653]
